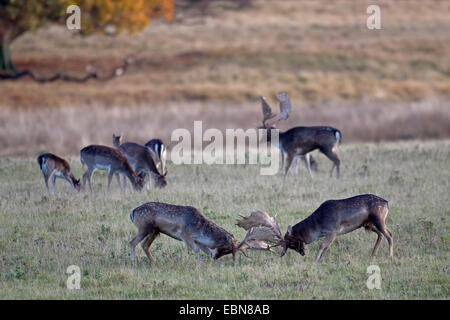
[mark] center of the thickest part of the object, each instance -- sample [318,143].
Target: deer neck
[307,231]
[128,171]
[72,178]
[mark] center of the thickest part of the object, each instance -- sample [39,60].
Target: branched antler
[285,108]
[285,105]
[261,229]
[267,111]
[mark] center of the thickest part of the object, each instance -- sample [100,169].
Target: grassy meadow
[41,235]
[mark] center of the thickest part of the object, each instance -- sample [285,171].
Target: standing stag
[332,218]
[300,141]
[56,167]
[182,223]
[141,160]
[97,157]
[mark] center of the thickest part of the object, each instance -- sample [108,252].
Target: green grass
[41,235]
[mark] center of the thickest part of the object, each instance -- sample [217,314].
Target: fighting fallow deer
[141,159]
[109,159]
[300,141]
[56,167]
[182,223]
[160,150]
[332,218]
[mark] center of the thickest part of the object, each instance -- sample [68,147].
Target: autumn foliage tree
[20,16]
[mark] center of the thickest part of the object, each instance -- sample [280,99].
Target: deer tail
[338,135]
[40,161]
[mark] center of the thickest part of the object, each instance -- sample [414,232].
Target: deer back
[174,221]
[339,216]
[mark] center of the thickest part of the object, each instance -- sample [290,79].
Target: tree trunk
[6,64]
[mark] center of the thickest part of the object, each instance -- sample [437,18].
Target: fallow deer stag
[109,159]
[54,167]
[141,159]
[182,223]
[300,141]
[332,218]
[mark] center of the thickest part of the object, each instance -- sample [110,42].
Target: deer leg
[208,252]
[204,249]
[118,181]
[377,244]
[148,242]
[53,182]
[325,245]
[289,159]
[124,181]
[88,176]
[294,169]
[330,154]
[191,244]
[46,182]
[108,184]
[306,160]
[381,226]
[133,243]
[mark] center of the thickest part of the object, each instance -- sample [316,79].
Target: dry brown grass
[315,51]
[66,130]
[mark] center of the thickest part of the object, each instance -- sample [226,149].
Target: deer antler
[267,111]
[285,105]
[261,228]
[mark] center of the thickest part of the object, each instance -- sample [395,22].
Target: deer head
[292,242]
[139,181]
[230,247]
[285,108]
[161,181]
[76,184]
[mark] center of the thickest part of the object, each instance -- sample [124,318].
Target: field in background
[318,51]
[67,130]
[40,236]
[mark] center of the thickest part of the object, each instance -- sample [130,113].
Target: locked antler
[261,229]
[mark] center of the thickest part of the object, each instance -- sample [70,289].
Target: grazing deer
[160,150]
[300,141]
[109,159]
[56,167]
[141,160]
[332,218]
[182,223]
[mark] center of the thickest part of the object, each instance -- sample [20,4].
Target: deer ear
[289,230]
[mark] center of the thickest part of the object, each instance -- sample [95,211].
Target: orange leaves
[122,15]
